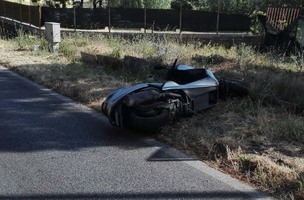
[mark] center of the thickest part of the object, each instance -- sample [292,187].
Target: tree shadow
[34,119]
[281,91]
[270,85]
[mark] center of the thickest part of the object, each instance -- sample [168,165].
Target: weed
[80,40]
[115,53]
[244,58]
[300,183]
[116,42]
[68,50]
[281,127]
[27,41]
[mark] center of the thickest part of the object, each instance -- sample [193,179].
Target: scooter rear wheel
[148,122]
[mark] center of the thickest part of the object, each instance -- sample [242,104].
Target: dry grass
[258,139]
[239,137]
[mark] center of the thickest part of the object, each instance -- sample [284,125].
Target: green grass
[25,41]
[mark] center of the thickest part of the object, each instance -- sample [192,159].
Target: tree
[157,4]
[186,4]
[240,6]
[126,3]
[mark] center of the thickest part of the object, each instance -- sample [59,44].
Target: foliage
[175,4]
[238,6]
[23,40]
[160,4]
[125,4]
[27,41]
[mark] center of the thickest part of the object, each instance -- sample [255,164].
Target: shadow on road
[34,119]
[157,195]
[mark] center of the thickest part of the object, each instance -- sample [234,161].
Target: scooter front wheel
[148,122]
[232,88]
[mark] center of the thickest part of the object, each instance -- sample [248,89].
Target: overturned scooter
[148,106]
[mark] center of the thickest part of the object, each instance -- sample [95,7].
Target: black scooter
[148,106]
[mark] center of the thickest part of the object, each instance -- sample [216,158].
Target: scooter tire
[232,88]
[149,123]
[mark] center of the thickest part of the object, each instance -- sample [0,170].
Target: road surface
[54,148]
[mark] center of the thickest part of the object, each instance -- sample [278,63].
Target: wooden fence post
[29,15]
[20,13]
[74,9]
[39,15]
[180,18]
[218,17]
[4,8]
[109,18]
[145,18]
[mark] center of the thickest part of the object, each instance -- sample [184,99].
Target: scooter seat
[186,76]
[156,85]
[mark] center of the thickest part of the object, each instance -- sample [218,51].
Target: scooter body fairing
[115,97]
[193,90]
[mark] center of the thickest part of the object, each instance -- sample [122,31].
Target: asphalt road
[54,148]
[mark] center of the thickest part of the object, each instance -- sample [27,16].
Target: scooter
[149,106]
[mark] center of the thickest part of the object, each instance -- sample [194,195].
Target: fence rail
[23,13]
[156,19]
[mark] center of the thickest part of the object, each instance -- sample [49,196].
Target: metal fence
[155,19]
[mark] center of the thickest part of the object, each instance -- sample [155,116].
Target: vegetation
[227,6]
[258,139]
[238,6]
[230,6]
[160,4]
[234,6]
